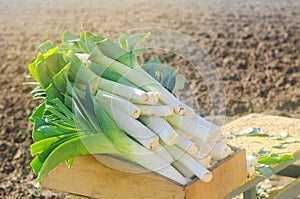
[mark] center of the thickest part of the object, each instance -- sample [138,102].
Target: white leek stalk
[170,172]
[161,128]
[84,57]
[200,155]
[163,153]
[189,112]
[190,163]
[185,135]
[124,91]
[198,132]
[252,160]
[207,148]
[187,145]
[203,158]
[131,126]
[220,151]
[134,151]
[165,96]
[158,111]
[138,76]
[183,170]
[120,103]
[201,132]
[250,170]
[151,100]
[251,164]
[205,161]
[214,131]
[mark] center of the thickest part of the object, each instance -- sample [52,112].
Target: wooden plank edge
[194,190]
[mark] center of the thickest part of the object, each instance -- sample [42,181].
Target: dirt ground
[254,44]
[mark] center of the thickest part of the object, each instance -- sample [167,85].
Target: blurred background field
[254,44]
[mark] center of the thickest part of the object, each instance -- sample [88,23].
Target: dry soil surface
[254,44]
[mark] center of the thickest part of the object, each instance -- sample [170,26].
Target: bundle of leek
[98,100]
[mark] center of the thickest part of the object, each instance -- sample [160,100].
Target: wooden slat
[292,171]
[292,190]
[226,177]
[89,177]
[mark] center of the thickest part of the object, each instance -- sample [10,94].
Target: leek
[131,126]
[98,100]
[161,110]
[190,163]
[162,128]
[122,104]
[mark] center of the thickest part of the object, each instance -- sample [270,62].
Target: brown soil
[255,46]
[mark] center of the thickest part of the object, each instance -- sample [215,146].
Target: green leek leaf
[167,77]
[265,170]
[46,46]
[88,144]
[275,159]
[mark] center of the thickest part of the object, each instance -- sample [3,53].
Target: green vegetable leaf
[44,75]
[265,170]
[166,76]
[263,152]
[60,79]
[179,82]
[72,42]
[274,138]
[269,158]
[52,92]
[67,36]
[275,159]
[290,140]
[94,38]
[278,146]
[153,66]
[32,66]
[87,144]
[69,161]
[38,93]
[122,41]
[38,161]
[38,112]
[133,43]
[111,49]
[46,46]
[250,132]
[127,51]
[40,146]
[90,40]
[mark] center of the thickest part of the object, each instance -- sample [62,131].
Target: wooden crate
[89,177]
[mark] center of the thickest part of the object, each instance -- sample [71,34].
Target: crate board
[89,177]
[228,175]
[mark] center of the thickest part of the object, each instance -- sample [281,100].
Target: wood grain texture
[227,176]
[91,178]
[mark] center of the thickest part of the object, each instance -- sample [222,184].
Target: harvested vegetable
[266,159]
[97,99]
